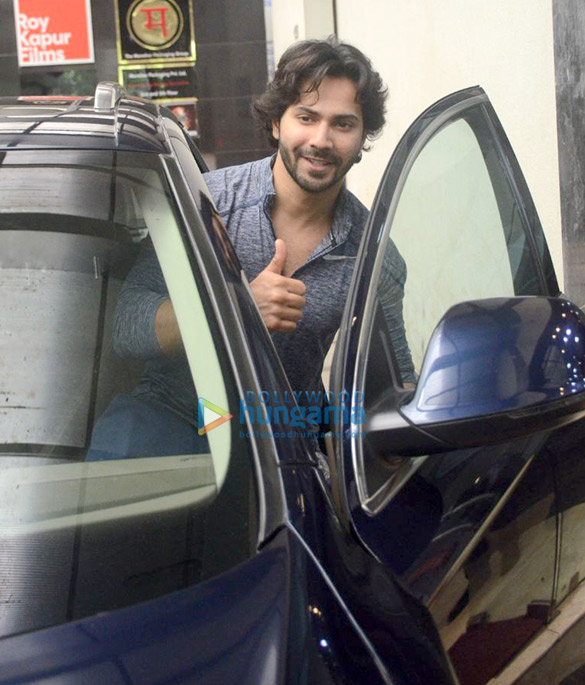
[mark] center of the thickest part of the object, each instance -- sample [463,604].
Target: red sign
[52,32]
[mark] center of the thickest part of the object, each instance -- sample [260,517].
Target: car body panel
[238,623]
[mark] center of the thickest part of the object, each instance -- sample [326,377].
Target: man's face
[320,136]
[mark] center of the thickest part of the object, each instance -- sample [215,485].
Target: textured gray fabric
[391,295]
[243,196]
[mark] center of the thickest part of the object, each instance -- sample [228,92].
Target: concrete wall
[294,20]
[425,49]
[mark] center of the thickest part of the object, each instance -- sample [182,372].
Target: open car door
[457,356]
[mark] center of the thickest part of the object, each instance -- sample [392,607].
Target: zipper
[325,250]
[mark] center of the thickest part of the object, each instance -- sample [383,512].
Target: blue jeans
[132,427]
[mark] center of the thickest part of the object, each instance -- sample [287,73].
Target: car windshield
[115,453]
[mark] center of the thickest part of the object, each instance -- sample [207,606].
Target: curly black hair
[307,63]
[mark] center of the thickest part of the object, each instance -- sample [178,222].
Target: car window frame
[350,362]
[271,499]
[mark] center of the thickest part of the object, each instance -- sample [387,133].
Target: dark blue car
[427,538]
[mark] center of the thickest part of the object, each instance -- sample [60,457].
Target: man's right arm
[145,324]
[391,295]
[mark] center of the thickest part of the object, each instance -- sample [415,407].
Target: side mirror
[494,370]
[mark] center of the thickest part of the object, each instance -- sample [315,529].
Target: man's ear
[276,130]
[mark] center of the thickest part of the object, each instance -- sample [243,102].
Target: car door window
[454,222]
[456,235]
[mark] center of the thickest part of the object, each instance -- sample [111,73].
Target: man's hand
[280,299]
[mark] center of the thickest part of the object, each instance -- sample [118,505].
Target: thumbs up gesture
[280,299]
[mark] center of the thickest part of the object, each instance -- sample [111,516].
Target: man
[294,225]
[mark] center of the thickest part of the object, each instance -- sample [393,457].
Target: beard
[314,181]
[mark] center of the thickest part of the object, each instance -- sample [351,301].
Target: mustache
[323,155]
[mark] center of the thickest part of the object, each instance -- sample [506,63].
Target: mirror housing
[494,370]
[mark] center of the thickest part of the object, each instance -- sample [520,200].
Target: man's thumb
[279,259]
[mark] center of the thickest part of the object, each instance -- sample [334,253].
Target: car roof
[111,120]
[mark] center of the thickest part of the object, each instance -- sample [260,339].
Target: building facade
[230,68]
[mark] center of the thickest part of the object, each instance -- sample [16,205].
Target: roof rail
[107,95]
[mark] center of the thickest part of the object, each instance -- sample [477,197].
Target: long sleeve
[391,295]
[142,293]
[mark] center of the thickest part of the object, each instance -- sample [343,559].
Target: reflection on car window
[110,490]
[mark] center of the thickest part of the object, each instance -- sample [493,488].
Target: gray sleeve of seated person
[141,295]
